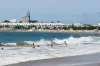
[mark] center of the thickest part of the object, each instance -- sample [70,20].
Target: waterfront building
[26,19]
[34,25]
[77,24]
[12,20]
[98,24]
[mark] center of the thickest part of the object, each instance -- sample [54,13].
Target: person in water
[51,45]
[65,43]
[47,44]
[2,48]
[33,45]
[38,45]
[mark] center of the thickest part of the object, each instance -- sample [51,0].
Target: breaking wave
[70,40]
[21,52]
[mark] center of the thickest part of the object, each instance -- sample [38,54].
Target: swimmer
[38,45]
[65,43]
[47,44]
[51,45]
[2,48]
[33,45]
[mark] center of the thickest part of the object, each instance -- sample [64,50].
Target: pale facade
[26,19]
[35,24]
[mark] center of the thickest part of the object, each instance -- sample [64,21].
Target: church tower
[28,15]
[26,19]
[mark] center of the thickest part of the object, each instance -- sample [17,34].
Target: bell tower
[28,15]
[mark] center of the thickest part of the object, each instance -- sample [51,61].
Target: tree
[1,26]
[89,27]
[52,22]
[20,21]
[19,27]
[30,27]
[65,28]
[6,21]
[47,28]
[60,28]
[58,21]
[55,28]
[6,26]
[39,27]
[33,21]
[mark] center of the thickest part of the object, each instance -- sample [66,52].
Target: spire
[28,14]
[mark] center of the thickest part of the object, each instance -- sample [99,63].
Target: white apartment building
[78,24]
[30,24]
[98,24]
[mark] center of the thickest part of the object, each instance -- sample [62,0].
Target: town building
[77,24]
[13,20]
[26,19]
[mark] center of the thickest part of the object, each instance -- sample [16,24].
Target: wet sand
[80,60]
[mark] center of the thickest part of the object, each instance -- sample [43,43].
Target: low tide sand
[80,60]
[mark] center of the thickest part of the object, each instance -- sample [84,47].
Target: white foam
[9,43]
[29,42]
[75,46]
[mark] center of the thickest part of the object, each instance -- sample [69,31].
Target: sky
[83,11]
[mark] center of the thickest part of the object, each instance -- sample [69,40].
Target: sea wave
[56,41]
[21,51]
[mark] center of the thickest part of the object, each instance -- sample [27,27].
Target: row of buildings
[26,21]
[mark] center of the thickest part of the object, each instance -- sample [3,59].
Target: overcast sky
[52,10]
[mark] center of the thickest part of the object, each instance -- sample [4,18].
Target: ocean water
[77,44]
[36,36]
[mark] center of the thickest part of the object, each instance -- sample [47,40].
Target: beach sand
[66,31]
[79,60]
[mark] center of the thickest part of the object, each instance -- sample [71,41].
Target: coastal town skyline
[49,10]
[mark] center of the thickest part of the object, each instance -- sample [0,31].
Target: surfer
[33,45]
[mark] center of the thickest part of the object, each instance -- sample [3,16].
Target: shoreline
[59,31]
[78,60]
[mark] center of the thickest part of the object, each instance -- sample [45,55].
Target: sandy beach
[79,60]
[67,31]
